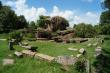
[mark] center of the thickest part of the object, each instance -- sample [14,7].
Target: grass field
[30,65]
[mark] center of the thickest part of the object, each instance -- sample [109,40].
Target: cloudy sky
[75,11]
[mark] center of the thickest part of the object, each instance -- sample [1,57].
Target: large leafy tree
[105,18]
[43,21]
[9,21]
[106,4]
[84,30]
[59,23]
[21,22]
[0,4]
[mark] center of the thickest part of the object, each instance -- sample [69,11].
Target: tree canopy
[105,18]
[9,20]
[84,30]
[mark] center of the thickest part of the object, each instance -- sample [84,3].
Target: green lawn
[30,65]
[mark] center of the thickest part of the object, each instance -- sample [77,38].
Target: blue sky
[81,5]
[75,11]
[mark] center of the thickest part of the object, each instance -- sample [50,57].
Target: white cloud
[32,13]
[89,17]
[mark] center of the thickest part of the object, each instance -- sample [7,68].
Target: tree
[105,18]
[21,22]
[7,19]
[106,4]
[84,30]
[59,23]
[0,4]
[43,21]
[32,25]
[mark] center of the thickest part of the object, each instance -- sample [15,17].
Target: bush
[31,39]
[80,65]
[30,35]
[17,35]
[34,49]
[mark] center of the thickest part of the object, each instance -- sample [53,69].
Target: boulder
[82,50]
[18,54]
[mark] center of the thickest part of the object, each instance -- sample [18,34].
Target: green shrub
[80,65]
[30,35]
[17,35]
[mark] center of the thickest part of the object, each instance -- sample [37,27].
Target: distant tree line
[9,21]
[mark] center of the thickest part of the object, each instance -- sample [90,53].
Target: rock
[82,50]
[98,51]
[89,45]
[18,54]
[72,49]
[78,55]
[65,60]
[27,47]
[29,53]
[8,61]
[44,57]
[25,44]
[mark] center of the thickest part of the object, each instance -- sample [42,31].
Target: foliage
[80,65]
[106,4]
[43,21]
[30,35]
[105,17]
[17,35]
[59,23]
[0,4]
[21,22]
[84,30]
[9,21]
[32,25]
[102,61]
[105,29]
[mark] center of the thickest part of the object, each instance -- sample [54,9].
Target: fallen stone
[65,60]
[98,51]
[28,53]
[8,61]
[82,50]
[89,45]
[27,47]
[18,54]
[44,57]
[25,44]
[72,49]
[78,55]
